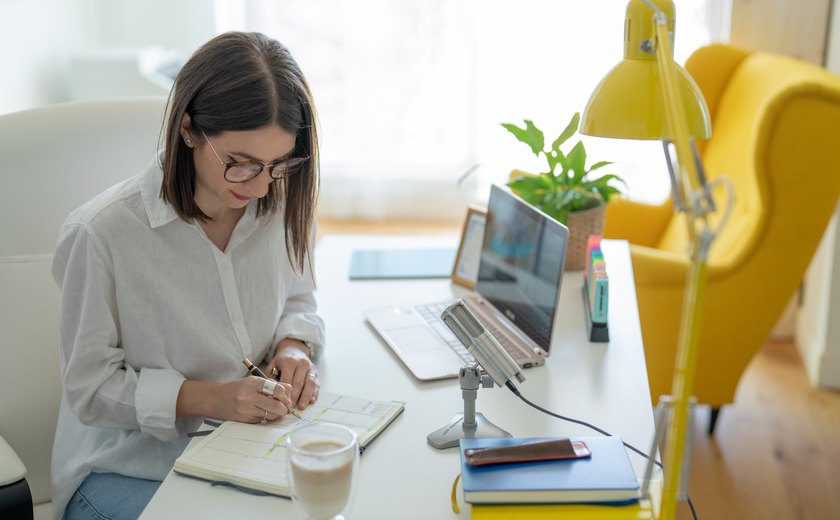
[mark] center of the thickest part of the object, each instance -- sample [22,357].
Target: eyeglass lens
[240,172]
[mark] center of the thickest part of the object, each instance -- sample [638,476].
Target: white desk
[602,383]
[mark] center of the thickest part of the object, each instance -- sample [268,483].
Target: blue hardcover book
[605,477]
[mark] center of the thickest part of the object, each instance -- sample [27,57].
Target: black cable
[516,392]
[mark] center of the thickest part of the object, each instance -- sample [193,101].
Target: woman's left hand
[291,359]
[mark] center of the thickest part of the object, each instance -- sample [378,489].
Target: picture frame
[465,270]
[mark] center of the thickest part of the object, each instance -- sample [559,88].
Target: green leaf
[562,160]
[530,135]
[568,132]
[464,176]
[601,186]
[531,189]
[566,197]
[552,161]
[577,162]
[599,165]
[567,186]
[547,181]
[604,179]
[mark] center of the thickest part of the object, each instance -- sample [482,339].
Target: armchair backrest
[775,123]
[776,136]
[55,158]
[52,159]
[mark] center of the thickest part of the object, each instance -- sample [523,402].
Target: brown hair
[244,81]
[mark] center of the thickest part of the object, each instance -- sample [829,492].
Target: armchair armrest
[11,467]
[665,269]
[637,222]
[656,267]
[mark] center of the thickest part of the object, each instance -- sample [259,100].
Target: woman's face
[265,145]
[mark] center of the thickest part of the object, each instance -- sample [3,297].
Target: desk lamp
[649,96]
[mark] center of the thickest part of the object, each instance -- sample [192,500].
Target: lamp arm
[687,176]
[688,183]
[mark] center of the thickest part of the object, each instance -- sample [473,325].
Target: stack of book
[600,486]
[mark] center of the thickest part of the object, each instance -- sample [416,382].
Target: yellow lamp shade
[628,103]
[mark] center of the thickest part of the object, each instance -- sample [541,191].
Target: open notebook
[253,456]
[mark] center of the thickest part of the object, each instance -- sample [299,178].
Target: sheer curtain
[410,93]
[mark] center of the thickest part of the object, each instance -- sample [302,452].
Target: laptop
[519,278]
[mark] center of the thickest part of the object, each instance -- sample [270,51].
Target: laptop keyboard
[536,331]
[431,313]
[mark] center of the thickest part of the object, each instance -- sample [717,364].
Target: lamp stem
[687,182]
[683,382]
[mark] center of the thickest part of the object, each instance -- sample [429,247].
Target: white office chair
[52,159]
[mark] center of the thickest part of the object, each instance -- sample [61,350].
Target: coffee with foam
[322,465]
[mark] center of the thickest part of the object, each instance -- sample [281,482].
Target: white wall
[32,34]
[818,318]
[41,39]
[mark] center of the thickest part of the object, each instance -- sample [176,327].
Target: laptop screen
[521,265]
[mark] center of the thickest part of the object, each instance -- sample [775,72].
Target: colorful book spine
[596,280]
[593,243]
[600,299]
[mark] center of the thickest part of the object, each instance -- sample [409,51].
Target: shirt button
[225,266]
[237,317]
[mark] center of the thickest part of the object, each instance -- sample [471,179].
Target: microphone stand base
[449,435]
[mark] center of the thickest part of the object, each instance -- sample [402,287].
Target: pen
[254,370]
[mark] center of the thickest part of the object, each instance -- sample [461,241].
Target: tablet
[368,264]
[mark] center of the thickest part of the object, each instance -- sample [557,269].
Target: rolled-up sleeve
[299,318]
[100,388]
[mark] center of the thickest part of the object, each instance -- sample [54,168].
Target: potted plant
[568,191]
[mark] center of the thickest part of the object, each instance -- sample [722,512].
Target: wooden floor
[776,451]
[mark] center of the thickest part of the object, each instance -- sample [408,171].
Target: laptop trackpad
[426,355]
[414,339]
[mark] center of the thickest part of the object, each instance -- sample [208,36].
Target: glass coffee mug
[322,467]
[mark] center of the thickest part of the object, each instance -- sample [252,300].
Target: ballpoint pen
[254,370]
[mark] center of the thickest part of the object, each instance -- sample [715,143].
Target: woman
[172,278]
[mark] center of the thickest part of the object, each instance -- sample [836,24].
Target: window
[410,93]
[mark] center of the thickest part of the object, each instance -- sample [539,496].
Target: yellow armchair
[776,135]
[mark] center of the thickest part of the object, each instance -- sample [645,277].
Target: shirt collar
[158,211]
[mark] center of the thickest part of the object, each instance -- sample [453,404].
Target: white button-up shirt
[147,301]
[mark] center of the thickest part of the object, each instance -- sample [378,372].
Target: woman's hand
[291,360]
[243,400]
[240,400]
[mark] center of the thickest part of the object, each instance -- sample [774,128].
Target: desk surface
[601,383]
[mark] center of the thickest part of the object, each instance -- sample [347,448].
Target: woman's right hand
[240,400]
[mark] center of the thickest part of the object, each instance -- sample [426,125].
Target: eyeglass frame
[270,167]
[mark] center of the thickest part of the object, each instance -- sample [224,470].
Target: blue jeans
[108,496]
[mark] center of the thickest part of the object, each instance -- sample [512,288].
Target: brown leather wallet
[527,452]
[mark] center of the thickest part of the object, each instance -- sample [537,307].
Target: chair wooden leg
[713,420]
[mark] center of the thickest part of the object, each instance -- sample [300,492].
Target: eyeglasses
[245,171]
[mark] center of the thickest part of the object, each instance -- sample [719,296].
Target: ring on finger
[268,387]
[313,375]
[264,418]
